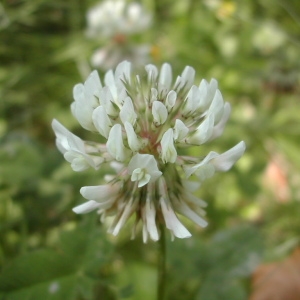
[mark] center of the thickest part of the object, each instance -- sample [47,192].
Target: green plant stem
[161,265]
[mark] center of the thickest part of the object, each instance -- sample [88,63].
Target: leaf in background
[21,161]
[71,271]
[278,280]
[233,254]
[219,287]
[214,269]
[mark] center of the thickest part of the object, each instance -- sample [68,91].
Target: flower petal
[123,71]
[115,145]
[145,163]
[127,113]
[171,100]
[134,143]
[86,207]
[185,210]
[77,160]
[141,176]
[188,77]
[203,132]
[165,79]
[180,130]
[217,107]
[189,170]
[107,101]
[226,160]
[192,101]
[92,85]
[66,140]
[185,81]
[99,193]
[102,121]
[168,151]
[127,212]
[219,128]
[150,213]
[159,112]
[83,106]
[152,72]
[172,221]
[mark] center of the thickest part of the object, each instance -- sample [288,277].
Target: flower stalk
[161,266]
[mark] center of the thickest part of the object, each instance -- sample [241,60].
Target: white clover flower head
[145,119]
[112,17]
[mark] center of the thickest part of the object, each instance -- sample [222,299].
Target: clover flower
[113,22]
[145,120]
[109,18]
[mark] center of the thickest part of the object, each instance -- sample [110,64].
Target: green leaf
[70,271]
[233,254]
[219,287]
[213,269]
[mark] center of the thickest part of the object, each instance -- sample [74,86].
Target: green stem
[161,268]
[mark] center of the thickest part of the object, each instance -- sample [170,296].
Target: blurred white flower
[146,119]
[268,37]
[110,17]
[113,22]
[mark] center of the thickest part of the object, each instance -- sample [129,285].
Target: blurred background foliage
[48,252]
